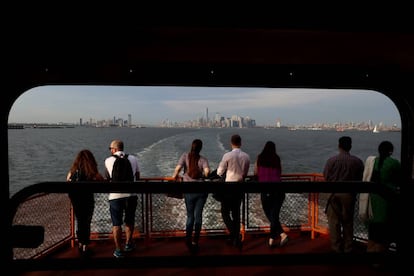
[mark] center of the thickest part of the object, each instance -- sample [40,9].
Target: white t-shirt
[109,163]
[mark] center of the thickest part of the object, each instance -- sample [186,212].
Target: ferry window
[48,125]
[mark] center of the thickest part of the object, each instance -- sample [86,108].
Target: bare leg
[117,232]
[129,231]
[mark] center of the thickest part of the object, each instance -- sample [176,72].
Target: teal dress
[384,205]
[383,223]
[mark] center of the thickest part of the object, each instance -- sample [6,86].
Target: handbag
[365,209]
[214,177]
[364,203]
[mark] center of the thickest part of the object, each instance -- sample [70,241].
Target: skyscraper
[206,115]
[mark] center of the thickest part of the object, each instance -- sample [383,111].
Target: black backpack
[122,169]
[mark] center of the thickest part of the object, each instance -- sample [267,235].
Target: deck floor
[216,247]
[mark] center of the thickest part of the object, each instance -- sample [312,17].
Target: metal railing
[160,216]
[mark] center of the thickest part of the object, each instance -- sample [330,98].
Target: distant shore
[291,128]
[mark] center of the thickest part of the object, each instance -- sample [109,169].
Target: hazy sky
[152,105]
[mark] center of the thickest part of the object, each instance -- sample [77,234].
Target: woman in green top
[386,172]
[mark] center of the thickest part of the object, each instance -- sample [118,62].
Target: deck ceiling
[344,35]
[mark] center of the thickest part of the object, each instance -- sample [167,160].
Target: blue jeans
[194,204]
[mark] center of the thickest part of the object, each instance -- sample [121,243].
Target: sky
[152,105]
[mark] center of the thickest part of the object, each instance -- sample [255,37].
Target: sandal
[284,241]
[271,243]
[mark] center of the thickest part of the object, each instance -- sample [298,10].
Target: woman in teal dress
[383,222]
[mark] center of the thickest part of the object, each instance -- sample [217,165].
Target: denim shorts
[120,206]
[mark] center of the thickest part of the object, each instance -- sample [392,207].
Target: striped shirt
[343,167]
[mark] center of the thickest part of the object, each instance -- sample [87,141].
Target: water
[38,155]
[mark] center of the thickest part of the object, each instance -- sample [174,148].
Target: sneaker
[129,247]
[118,254]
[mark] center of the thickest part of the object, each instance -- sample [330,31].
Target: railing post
[72,226]
[313,214]
[148,210]
[243,222]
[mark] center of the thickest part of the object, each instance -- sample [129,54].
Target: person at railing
[122,206]
[83,168]
[195,168]
[340,206]
[268,168]
[386,171]
[235,165]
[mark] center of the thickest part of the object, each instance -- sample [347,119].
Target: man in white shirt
[122,203]
[235,164]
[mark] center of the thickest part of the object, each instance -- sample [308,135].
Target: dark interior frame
[211,56]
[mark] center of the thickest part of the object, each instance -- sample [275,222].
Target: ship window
[158,124]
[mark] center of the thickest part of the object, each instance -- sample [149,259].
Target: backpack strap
[117,156]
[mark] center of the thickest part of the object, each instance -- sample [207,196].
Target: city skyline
[154,105]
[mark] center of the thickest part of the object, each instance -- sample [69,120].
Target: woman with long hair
[84,168]
[195,167]
[268,168]
[387,173]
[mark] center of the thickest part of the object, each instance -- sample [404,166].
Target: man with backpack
[121,167]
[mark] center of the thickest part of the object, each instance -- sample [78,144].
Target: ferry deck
[53,247]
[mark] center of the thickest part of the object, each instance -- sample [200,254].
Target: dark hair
[268,157]
[345,143]
[236,140]
[385,149]
[86,165]
[193,157]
